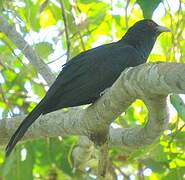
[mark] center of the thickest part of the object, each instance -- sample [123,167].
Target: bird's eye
[151,23]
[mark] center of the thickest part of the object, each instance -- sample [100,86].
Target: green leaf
[60,150]
[88,1]
[18,168]
[148,7]
[44,49]
[29,14]
[180,136]
[177,173]
[179,105]
[5,113]
[158,154]
[38,89]
[156,166]
[9,75]
[8,164]
[117,18]
[26,166]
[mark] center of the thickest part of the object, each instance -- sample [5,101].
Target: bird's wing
[83,79]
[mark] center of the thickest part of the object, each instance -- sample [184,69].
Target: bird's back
[87,75]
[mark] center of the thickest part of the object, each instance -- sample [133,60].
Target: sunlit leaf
[174,174]
[156,166]
[9,75]
[46,18]
[148,7]
[38,89]
[43,49]
[179,105]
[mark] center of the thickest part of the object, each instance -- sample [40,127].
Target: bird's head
[148,27]
[142,35]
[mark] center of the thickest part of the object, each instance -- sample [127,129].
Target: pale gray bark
[27,50]
[150,82]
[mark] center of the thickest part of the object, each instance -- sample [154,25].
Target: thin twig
[5,66]
[12,50]
[140,171]
[174,135]
[66,29]
[54,60]
[126,13]
[126,177]
[81,40]
[103,161]
[5,100]
[77,28]
[111,170]
[43,5]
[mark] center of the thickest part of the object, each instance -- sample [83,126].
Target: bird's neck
[143,45]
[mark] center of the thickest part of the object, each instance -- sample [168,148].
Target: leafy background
[89,23]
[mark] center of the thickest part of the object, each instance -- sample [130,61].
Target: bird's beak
[162,29]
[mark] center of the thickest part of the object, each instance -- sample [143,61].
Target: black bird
[87,75]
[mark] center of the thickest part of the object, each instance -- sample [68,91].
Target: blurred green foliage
[90,23]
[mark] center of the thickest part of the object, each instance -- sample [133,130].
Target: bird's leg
[104,91]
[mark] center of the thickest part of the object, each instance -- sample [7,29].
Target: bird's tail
[26,123]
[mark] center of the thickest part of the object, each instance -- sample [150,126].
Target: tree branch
[149,82]
[26,49]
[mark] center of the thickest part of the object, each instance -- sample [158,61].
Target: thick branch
[26,49]
[150,82]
